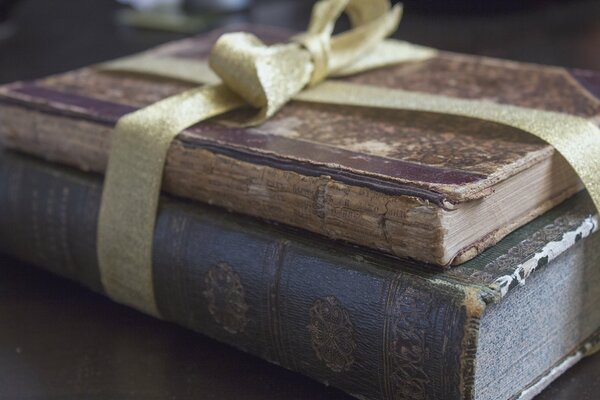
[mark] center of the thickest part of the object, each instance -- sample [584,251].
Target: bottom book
[501,326]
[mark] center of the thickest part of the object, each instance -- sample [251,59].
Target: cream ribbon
[267,77]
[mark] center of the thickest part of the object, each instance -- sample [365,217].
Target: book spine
[319,309]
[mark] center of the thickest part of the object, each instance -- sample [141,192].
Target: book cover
[432,187]
[500,326]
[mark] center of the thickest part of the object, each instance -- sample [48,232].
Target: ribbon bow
[267,77]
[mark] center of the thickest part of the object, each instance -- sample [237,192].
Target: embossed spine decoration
[332,334]
[225,296]
[424,340]
[406,331]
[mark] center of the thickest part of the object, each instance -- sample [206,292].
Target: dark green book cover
[500,326]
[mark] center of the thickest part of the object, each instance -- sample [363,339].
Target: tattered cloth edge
[545,255]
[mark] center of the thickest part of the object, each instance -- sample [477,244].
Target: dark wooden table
[58,341]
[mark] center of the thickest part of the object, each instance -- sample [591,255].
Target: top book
[437,188]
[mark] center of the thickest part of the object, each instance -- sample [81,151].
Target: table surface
[61,341]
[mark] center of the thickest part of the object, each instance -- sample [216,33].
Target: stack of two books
[413,255]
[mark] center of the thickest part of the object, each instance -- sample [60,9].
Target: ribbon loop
[324,14]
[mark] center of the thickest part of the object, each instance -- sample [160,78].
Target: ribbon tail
[132,185]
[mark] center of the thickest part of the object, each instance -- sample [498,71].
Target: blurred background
[40,37]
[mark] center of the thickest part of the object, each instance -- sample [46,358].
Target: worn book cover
[501,326]
[433,187]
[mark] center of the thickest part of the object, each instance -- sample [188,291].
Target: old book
[500,326]
[433,187]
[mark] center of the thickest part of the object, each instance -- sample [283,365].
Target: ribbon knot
[267,77]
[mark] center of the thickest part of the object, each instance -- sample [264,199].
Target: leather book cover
[394,181]
[374,326]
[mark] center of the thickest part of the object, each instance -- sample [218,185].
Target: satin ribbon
[242,71]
